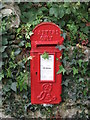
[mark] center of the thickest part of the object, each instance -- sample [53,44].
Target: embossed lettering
[39,32]
[41,37]
[47,35]
[47,32]
[57,32]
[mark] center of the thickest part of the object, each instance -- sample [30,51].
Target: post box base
[50,103]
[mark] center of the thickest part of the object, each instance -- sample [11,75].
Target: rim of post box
[42,23]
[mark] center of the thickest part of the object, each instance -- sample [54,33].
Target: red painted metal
[45,39]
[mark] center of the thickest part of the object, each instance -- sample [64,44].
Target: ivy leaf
[64,35]
[17,51]
[60,47]
[79,62]
[85,92]
[2,49]
[18,30]
[30,33]
[61,69]
[1,76]
[4,55]
[6,88]
[66,82]
[61,13]
[4,41]
[28,45]
[81,79]
[62,23]
[85,30]
[25,86]
[75,71]
[43,9]
[1,63]
[13,86]
[9,73]
[21,43]
[45,55]
[56,58]
[53,11]
[68,11]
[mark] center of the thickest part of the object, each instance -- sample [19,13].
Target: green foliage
[76,77]
[45,55]
[2,49]
[80,62]
[14,86]
[75,71]
[21,80]
[73,19]
[1,75]
[60,47]
[28,45]
[61,70]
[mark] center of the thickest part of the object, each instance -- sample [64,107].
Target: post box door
[47,68]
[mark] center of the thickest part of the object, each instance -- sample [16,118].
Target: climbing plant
[73,20]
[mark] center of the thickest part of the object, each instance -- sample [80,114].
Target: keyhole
[36,73]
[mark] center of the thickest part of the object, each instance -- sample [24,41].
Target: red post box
[45,82]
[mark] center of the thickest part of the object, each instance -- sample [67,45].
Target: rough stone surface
[37,114]
[2,114]
[87,53]
[10,10]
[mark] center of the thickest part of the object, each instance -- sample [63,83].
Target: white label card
[47,68]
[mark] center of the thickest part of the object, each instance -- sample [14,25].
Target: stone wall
[66,109]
